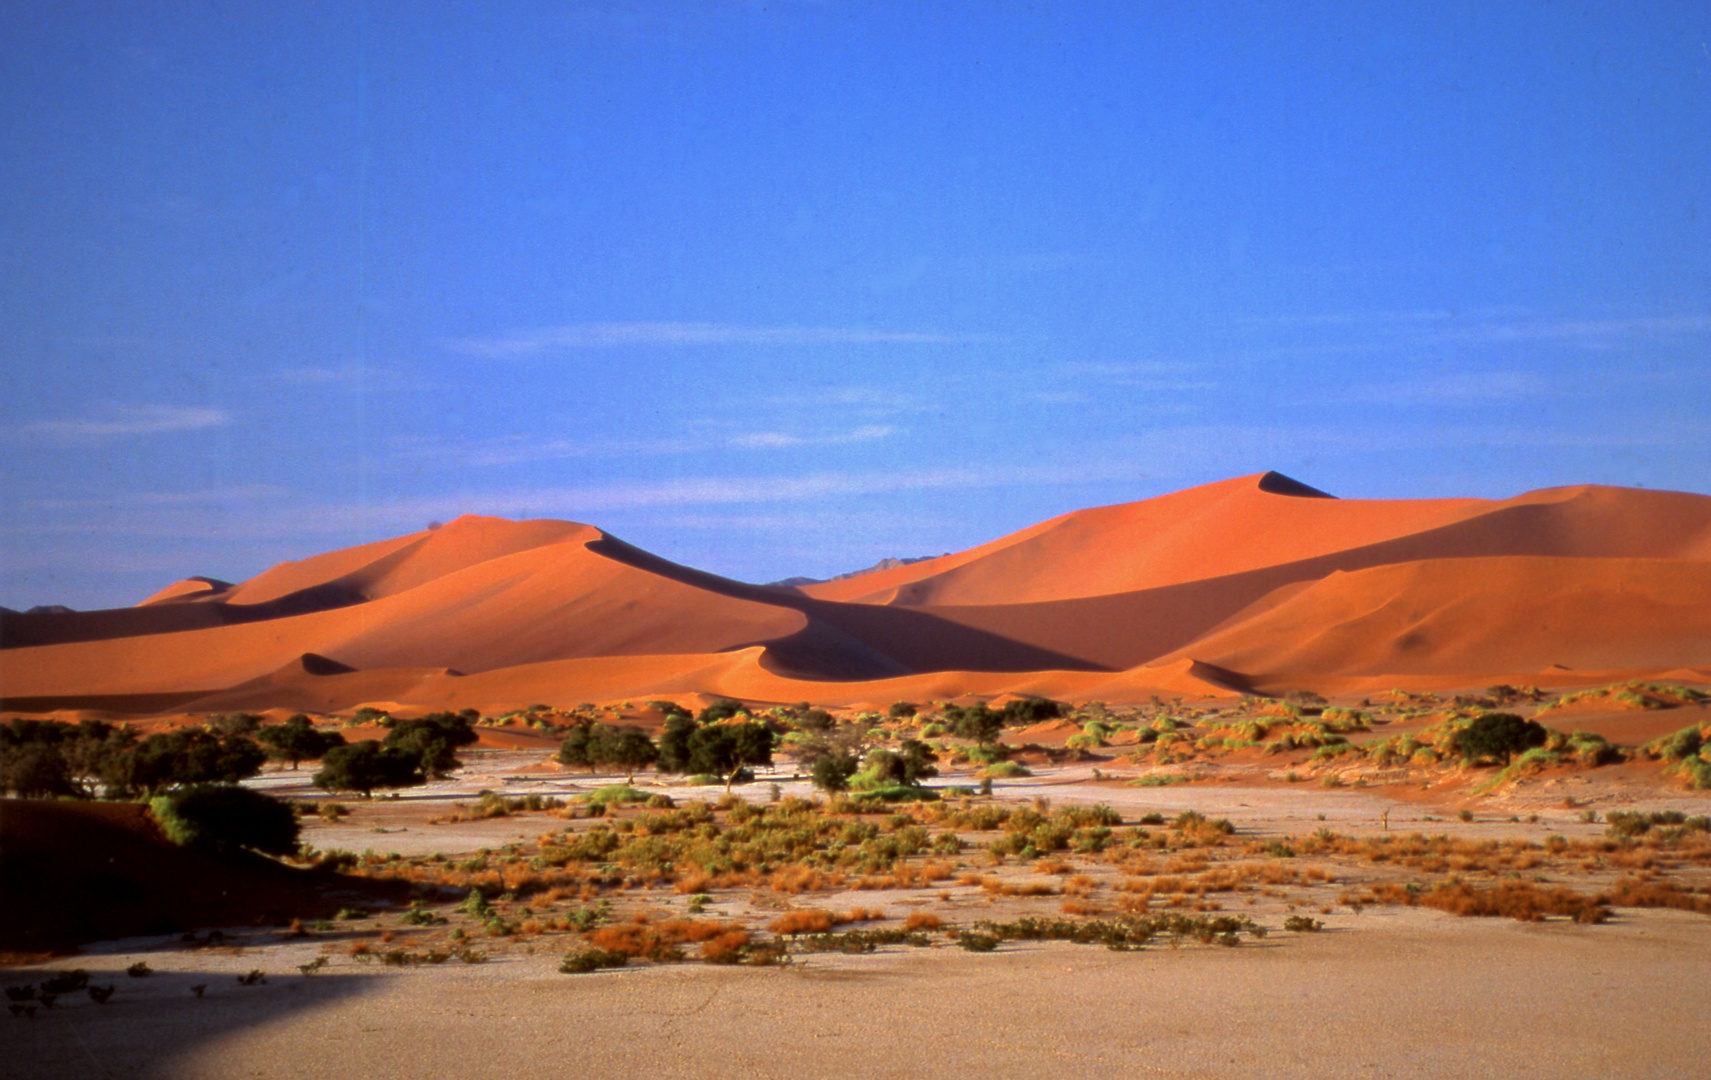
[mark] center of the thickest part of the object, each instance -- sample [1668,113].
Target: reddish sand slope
[1251,523]
[1472,616]
[1248,583]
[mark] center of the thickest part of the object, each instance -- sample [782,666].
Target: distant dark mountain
[883,564]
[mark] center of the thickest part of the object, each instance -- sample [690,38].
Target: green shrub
[223,817]
[590,960]
[1001,770]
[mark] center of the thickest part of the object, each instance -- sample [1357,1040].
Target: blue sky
[785,288]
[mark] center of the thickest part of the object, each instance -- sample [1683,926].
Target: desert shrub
[1520,900]
[1302,924]
[1003,770]
[901,710]
[223,817]
[976,942]
[722,709]
[590,960]
[807,921]
[727,948]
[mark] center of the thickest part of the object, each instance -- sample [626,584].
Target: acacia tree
[1500,736]
[726,749]
[434,740]
[297,741]
[626,748]
[577,748]
[367,765]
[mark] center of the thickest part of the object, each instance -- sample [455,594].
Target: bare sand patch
[1406,994]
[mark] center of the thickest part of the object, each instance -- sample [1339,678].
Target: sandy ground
[1405,993]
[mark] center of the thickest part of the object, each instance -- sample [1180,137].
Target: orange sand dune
[1252,523]
[1256,583]
[1469,616]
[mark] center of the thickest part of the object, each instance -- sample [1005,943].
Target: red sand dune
[1253,583]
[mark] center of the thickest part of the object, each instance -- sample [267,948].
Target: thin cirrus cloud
[621,334]
[518,449]
[123,420]
[578,502]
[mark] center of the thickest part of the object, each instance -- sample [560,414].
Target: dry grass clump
[726,948]
[998,886]
[1521,900]
[661,942]
[922,920]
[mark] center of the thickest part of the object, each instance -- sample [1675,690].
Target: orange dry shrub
[1078,885]
[659,942]
[1517,900]
[859,914]
[806,921]
[922,920]
[1630,892]
[1077,907]
[1051,866]
[798,879]
[920,875]
[727,948]
[999,887]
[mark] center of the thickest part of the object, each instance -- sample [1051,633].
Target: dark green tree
[625,748]
[367,765]
[35,770]
[901,710]
[192,756]
[832,771]
[297,740]
[976,722]
[577,748]
[1499,737]
[434,740]
[727,749]
[917,761]
[674,743]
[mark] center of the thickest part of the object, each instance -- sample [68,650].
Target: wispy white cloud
[121,420]
[241,493]
[1456,389]
[758,439]
[611,335]
[522,449]
[356,377]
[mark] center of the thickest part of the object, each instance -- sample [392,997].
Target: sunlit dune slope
[1258,522]
[1453,617]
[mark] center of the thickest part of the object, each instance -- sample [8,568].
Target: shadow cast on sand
[148,1023]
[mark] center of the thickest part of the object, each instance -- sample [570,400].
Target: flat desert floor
[1405,993]
[1381,991]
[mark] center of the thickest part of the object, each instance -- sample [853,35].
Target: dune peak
[1275,483]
